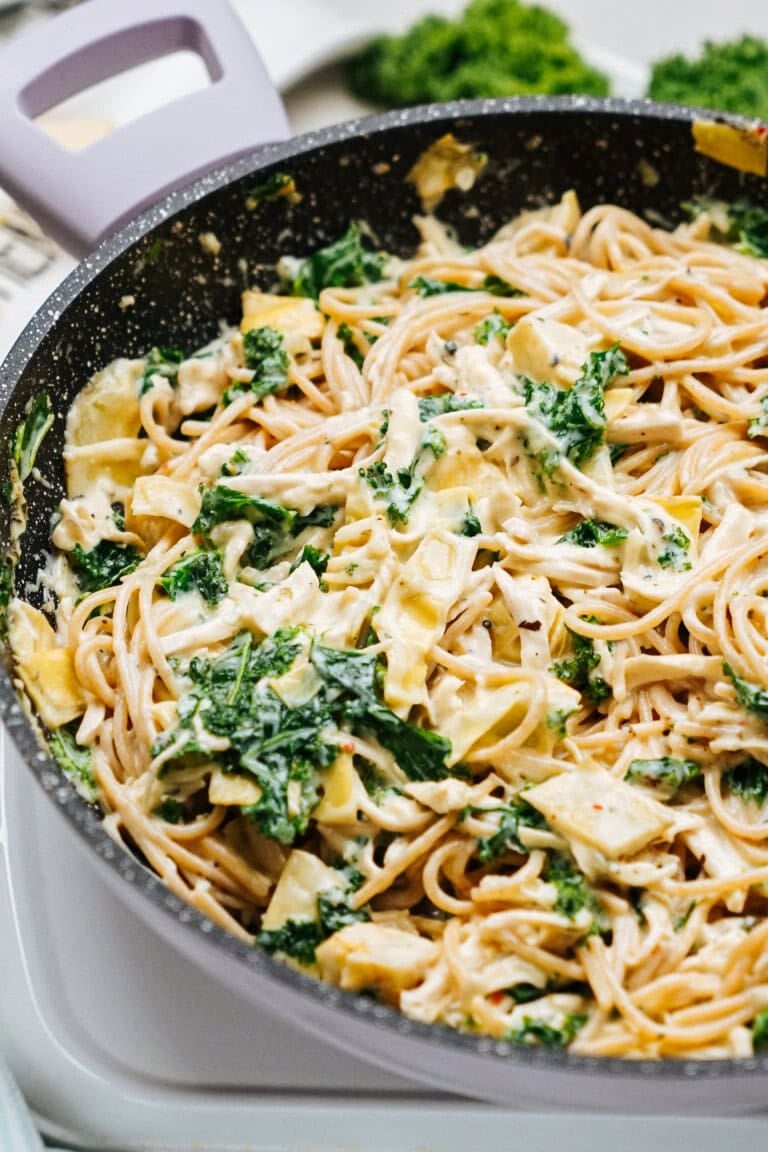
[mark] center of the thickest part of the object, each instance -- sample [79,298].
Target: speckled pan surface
[154,284]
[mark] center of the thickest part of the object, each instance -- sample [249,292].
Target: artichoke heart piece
[286,314]
[371,955]
[415,611]
[343,793]
[545,349]
[46,669]
[595,808]
[231,789]
[302,880]
[169,499]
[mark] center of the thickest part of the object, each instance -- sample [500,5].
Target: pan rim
[86,820]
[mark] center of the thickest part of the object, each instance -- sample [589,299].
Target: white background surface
[116,1042]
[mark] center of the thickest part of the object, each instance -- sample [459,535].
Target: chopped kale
[278,184]
[30,433]
[616,451]
[171,810]
[277,746]
[402,491]
[346,263]
[573,891]
[684,917]
[104,565]
[429,286]
[728,75]
[432,406]
[162,362]
[74,760]
[471,525]
[545,1035]
[199,571]
[300,938]
[576,670]
[667,773]
[296,938]
[591,532]
[265,355]
[321,516]
[318,561]
[494,326]
[750,696]
[350,343]
[357,677]
[222,503]
[675,555]
[575,416]
[512,816]
[274,527]
[491,48]
[267,358]
[759,426]
[760,1031]
[283,748]
[748,781]
[433,441]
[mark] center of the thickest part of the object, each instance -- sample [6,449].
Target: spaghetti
[420,635]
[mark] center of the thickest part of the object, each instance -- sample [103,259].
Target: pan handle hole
[81,120]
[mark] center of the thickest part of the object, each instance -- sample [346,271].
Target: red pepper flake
[597,807]
[496,997]
[348,747]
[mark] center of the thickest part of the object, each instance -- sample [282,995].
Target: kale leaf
[748,781]
[760,1031]
[667,773]
[317,560]
[576,670]
[278,184]
[576,416]
[470,525]
[200,571]
[346,263]
[300,938]
[675,555]
[402,491]
[432,406]
[350,344]
[546,1035]
[494,326]
[296,938]
[591,532]
[750,696]
[222,503]
[104,565]
[573,891]
[30,433]
[170,809]
[267,358]
[74,760]
[759,426]
[274,527]
[161,362]
[429,286]
[357,676]
[514,815]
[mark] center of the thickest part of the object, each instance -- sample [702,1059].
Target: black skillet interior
[638,155]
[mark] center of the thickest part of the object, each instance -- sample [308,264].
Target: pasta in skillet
[417,630]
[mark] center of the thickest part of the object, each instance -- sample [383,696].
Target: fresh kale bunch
[731,77]
[495,48]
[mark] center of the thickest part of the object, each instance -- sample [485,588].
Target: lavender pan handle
[79,198]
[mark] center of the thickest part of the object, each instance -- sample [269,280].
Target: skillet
[637,154]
